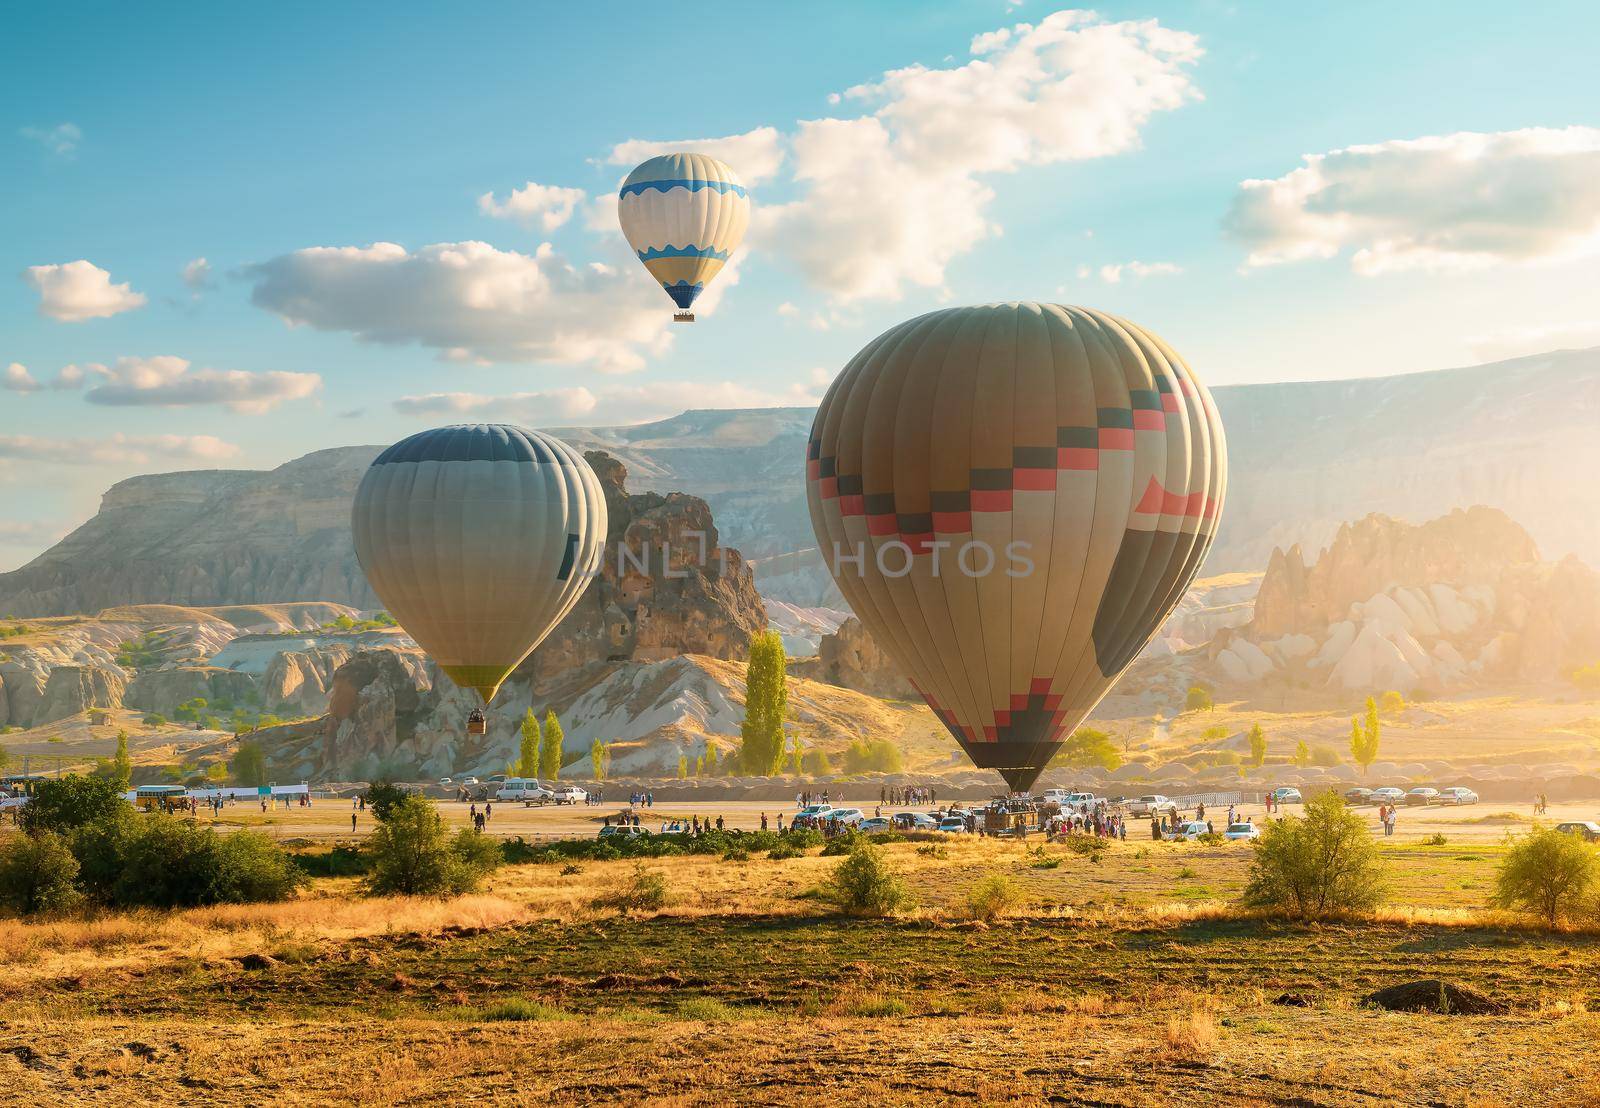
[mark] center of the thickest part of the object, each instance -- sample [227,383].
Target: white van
[525,789]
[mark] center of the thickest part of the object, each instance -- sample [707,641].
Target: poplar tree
[550,746]
[766,703]
[528,762]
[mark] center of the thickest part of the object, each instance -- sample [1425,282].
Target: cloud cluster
[612,403]
[1113,273]
[115,449]
[1444,202]
[75,291]
[170,382]
[472,301]
[549,206]
[755,155]
[61,140]
[890,198]
[198,275]
[16,378]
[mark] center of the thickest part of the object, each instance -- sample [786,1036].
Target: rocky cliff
[1304,458]
[1462,599]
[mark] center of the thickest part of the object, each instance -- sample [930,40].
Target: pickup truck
[1152,805]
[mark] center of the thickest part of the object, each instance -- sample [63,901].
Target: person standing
[352,823]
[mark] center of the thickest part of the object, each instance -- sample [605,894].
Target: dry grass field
[1133,979]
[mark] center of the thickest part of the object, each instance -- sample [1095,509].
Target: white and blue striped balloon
[684,215]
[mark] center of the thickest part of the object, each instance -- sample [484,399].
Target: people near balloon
[1012,497]
[479,539]
[684,215]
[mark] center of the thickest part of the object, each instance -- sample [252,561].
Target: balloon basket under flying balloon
[683,317]
[476,724]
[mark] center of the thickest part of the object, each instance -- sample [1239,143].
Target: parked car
[1586,830]
[876,825]
[1422,794]
[1457,794]
[1388,795]
[1188,830]
[1241,831]
[956,825]
[524,789]
[914,821]
[811,815]
[613,831]
[845,817]
[1287,794]
[1056,796]
[1152,805]
[1358,795]
[571,794]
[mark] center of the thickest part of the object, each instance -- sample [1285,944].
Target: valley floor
[1127,980]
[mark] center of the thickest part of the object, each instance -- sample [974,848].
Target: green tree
[122,762]
[766,705]
[599,759]
[1316,865]
[1258,745]
[1088,748]
[1302,754]
[413,855]
[249,765]
[64,803]
[816,763]
[1547,872]
[713,761]
[683,767]
[1198,699]
[528,762]
[382,797]
[1364,737]
[550,748]
[1392,702]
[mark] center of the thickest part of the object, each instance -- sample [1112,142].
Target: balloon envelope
[479,539]
[683,214]
[1012,498]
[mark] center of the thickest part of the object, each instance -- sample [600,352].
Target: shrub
[874,756]
[172,863]
[864,884]
[247,867]
[816,763]
[37,874]
[63,803]
[783,851]
[842,844]
[992,897]
[1316,865]
[1090,846]
[1198,699]
[100,849]
[1547,872]
[412,854]
[154,719]
[646,891]
[1391,702]
[934,850]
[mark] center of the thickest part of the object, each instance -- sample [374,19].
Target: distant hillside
[1516,435]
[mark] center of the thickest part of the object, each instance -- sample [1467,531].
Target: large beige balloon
[479,539]
[1012,497]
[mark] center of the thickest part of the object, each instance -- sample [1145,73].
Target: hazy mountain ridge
[1304,458]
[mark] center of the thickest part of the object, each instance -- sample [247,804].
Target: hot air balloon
[1012,497]
[683,214]
[478,539]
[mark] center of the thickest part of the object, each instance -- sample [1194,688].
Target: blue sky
[1094,160]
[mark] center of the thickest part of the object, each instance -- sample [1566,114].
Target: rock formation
[852,659]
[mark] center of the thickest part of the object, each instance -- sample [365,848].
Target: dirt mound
[1436,996]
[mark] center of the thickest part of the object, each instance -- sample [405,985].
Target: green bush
[101,848]
[1198,699]
[37,874]
[872,756]
[412,854]
[865,885]
[341,861]
[1548,873]
[382,796]
[173,863]
[63,803]
[1316,865]
[645,891]
[992,897]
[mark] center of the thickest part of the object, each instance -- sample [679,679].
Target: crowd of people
[907,795]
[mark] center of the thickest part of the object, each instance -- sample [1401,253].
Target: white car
[1152,805]
[1388,795]
[1056,796]
[1241,831]
[876,825]
[812,813]
[1184,832]
[955,825]
[571,794]
[845,817]
[621,831]
[1286,794]
[1457,794]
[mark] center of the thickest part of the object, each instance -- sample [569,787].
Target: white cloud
[474,302]
[169,382]
[1444,202]
[75,291]
[612,403]
[61,140]
[755,155]
[548,205]
[198,276]
[18,379]
[1113,274]
[115,448]
[889,199]
[1518,341]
